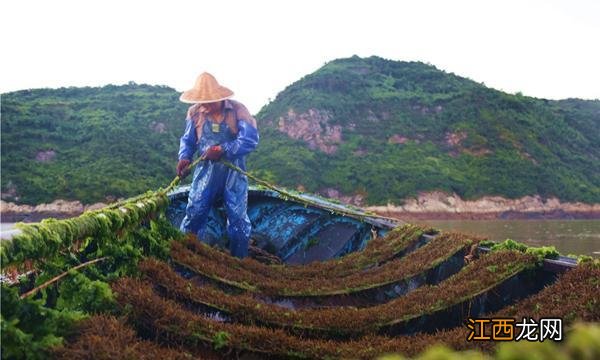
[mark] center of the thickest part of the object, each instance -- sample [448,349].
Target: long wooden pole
[56,278]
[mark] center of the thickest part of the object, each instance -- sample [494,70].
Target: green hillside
[408,127]
[89,143]
[383,129]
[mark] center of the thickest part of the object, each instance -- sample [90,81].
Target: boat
[286,227]
[293,231]
[325,280]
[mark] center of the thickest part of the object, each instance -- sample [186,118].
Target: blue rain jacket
[213,180]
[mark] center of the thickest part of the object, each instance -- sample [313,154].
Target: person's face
[211,108]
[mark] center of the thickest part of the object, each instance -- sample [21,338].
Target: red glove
[182,170]
[213,153]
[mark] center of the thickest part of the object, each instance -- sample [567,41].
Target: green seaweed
[33,325]
[541,253]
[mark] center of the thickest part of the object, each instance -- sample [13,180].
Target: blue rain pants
[213,180]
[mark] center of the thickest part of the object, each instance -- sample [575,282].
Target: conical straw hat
[205,90]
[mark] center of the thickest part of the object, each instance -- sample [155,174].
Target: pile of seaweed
[121,282]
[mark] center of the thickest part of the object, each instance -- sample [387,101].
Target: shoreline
[60,209]
[433,205]
[437,205]
[508,215]
[11,217]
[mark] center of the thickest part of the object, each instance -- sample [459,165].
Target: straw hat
[206,90]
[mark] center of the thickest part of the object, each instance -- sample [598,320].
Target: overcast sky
[547,49]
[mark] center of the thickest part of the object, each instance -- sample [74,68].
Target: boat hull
[296,233]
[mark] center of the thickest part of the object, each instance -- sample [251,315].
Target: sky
[546,49]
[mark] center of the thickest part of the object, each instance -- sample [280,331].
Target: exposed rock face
[529,157]
[426,110]
[45,156]
[437,204]
[360,152]
[455,138]
[430,205]
[312,127]
[397,139]
[477,152]
[158,127]
[10,193]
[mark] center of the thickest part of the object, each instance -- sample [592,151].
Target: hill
[385,130]
[371,129]
[88,144]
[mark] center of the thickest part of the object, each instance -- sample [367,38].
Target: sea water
[579,237]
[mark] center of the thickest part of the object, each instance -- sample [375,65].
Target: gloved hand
[213,153]
[182,170]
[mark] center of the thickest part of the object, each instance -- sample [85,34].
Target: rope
[177,179]
[285,193]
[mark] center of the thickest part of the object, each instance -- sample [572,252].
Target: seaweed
[345,321]
[170,324]
[234,273]
[106,337]
[377,252]
[51,238]
[164,315]
[112,239]
[541,253]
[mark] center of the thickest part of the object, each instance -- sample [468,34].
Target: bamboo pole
[56,278]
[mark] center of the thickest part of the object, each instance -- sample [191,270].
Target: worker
[217,128]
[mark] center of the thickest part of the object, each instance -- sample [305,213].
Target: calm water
[5,230]
[568,236]
[6,226]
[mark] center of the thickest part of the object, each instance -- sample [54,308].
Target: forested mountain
[372,128]
[388,129]
[89,143]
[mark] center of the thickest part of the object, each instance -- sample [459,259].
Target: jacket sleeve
[187,143]
[245,142]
